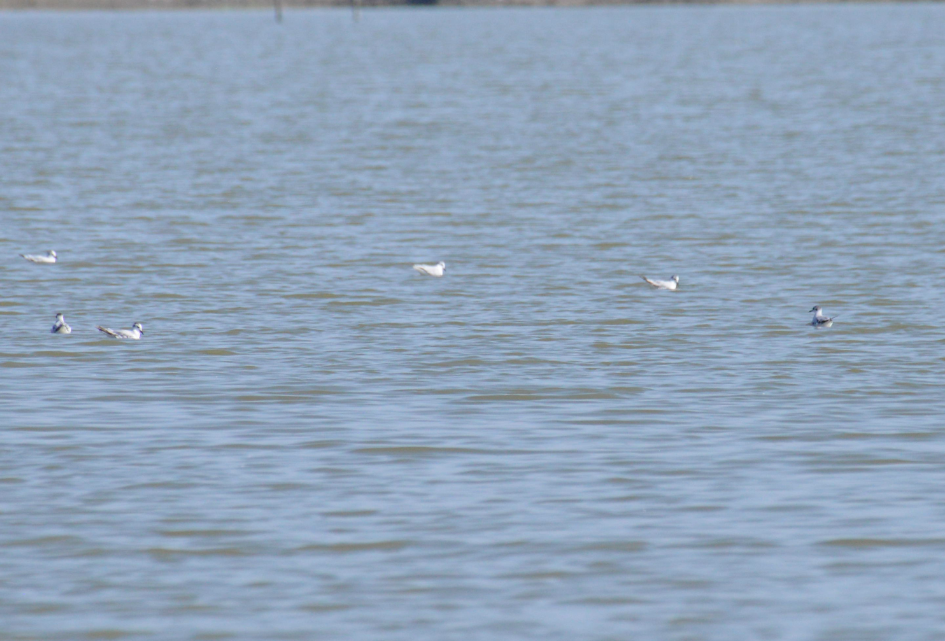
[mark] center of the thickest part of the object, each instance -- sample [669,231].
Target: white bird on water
[431,270]
[61,327]
[663,284]
[819,320]
[50,257]
[134,333]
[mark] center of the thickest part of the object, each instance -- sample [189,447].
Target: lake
[313,441]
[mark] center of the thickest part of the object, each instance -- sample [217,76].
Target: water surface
[313,441]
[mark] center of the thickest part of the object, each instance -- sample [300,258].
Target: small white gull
[431,270]
[134,333]
[663,284]
[50,257]
[61,327]
[819,320]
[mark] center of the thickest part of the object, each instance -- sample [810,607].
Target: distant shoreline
[121,5]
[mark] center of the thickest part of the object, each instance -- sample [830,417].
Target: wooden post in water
[277,6]
[356,10]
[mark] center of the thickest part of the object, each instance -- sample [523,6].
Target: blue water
[313,441]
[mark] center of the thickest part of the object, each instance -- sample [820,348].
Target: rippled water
[312,441]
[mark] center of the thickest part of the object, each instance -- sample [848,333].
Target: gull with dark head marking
[663,284]
[431,270]
[61,327]
[819,320]
[50,257]
[134,333]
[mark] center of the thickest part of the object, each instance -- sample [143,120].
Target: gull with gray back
[60,326]
[50,257]
[134,333]
[669,285]
[819,319]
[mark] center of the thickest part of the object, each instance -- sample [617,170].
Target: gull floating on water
[134,333]
[50,257]
[663,284]
[819,320]
[431,270]
[61,327]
